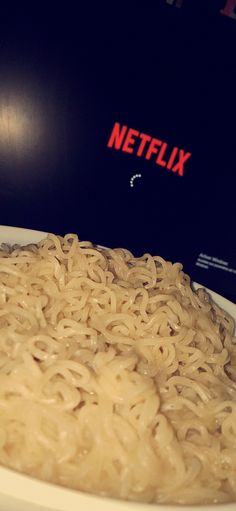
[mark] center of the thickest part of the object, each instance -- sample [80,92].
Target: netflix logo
[145,146]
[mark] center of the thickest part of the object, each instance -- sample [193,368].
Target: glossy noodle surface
[116,378]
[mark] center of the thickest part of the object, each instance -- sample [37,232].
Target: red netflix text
[142,145]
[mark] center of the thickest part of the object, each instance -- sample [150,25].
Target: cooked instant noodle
[116,378]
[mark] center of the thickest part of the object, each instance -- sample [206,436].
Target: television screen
[119,125]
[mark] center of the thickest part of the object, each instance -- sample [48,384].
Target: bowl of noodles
[117,381]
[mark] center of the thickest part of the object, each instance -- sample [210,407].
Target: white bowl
[22,493]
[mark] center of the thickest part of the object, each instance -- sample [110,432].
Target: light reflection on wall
[21,128]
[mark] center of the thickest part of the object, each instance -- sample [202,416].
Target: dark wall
[68,75]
